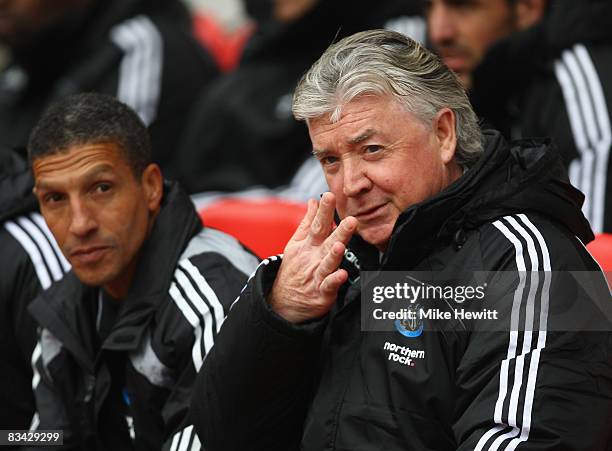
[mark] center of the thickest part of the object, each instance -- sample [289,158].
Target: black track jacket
[329,385]
[185,281]
[555,79]
[29,261]
[140,51]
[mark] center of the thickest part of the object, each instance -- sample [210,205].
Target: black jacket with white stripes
[458,384]
[187,277]
[555,79]
[29,261]
[141,51]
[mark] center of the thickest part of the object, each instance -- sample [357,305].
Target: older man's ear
[444,129]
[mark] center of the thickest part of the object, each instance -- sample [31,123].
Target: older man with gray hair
[326,349]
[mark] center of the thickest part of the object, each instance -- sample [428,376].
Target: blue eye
[372,149]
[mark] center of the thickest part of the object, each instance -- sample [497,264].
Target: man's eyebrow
[96,171]
[360,138]
[319,153]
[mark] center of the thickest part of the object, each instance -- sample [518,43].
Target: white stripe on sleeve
[30,247]
[519,423]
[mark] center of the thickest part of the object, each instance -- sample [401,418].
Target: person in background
[539,68]
[141,51]
[138,50]
[123,334]
[417,188]
[242,134]
[29,262]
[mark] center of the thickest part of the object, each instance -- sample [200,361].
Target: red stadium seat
[601,250]
[225,47]
[264,225]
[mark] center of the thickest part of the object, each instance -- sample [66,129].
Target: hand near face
[308,280]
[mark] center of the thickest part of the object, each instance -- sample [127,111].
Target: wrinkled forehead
[77,162]
[370,111]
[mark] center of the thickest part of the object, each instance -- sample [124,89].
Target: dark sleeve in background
[18,286]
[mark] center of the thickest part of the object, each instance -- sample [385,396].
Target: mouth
[367,215]
[88,255]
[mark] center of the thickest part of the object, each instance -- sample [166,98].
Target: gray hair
[386,63]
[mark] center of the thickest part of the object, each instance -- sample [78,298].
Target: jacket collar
[60,308]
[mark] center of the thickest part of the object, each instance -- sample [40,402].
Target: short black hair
[91,118]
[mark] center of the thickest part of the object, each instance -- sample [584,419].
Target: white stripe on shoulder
[202,311]
[542,332]
[529,314]
[582,86]
[603,144]
[527,333]
[577,99]
[187,438]
[518,434]
[192,318]
[176,438]
[35,422]
[196,445]
[514,328]
[211,240]
[123,36]
[206,290]
[141,68]
[34,360]
[35,256]
[590,123]
[38,219]
[43,244]
[575,121]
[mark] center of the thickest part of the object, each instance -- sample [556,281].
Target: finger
[342,233]
[302,230]
[332,283]
[330,262]
[322,224]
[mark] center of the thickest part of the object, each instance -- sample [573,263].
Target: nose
[82,221]
[354,178]
[440,24]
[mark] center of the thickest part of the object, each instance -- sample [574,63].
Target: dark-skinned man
[123,335]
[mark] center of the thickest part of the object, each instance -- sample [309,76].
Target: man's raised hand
[308,280]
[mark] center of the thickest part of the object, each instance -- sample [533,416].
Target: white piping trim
[35,256]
